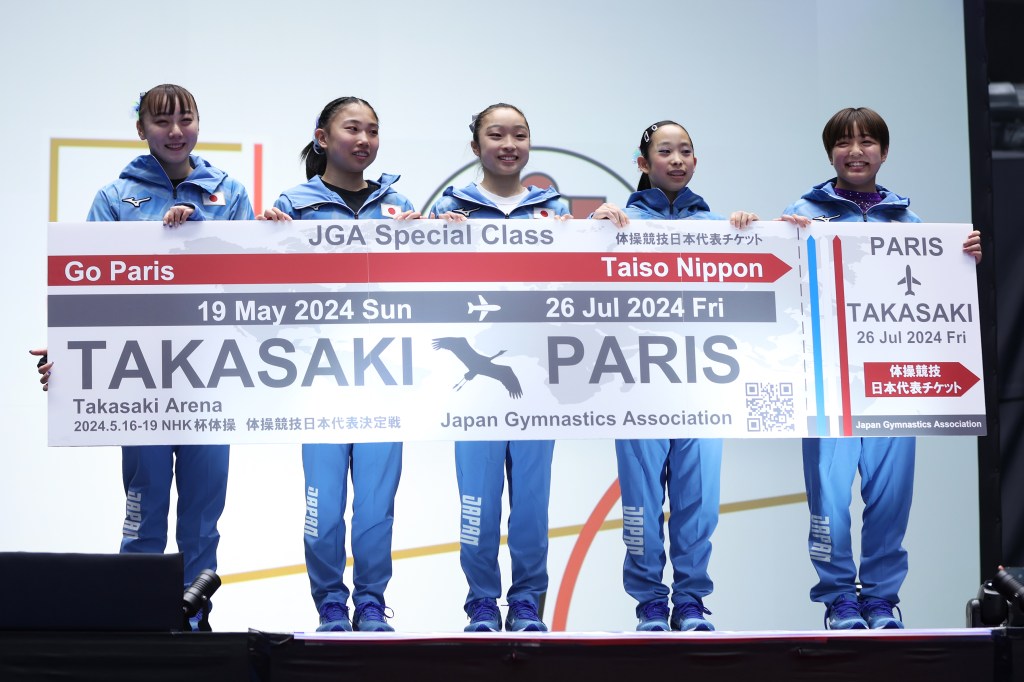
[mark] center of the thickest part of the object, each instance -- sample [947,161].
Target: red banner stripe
[844,354]
[343,268]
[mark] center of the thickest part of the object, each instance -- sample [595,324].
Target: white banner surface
[363,331]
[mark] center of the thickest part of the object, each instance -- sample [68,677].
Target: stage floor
[955,654]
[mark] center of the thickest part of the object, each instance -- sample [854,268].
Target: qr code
[769,407]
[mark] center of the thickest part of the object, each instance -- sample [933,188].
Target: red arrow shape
[917,379]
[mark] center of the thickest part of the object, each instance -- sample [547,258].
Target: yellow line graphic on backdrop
[56,143]
[564,531]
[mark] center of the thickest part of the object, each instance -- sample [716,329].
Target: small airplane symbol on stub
[483,307]
[909,280]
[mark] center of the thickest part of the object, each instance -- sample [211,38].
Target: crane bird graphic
[480,364]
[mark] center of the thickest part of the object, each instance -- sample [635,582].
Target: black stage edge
[927,655]
[125,657]
[878,657]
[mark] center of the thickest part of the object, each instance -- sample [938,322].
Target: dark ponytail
[644,182]
[645,146]
[312,154]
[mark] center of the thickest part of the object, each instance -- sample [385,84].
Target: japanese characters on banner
[363,331]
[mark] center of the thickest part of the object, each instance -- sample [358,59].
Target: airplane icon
[910,282]
[483,308]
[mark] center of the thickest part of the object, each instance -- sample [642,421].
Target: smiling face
[669,162]
[857,158]
[170,125]
[502,142]
[350,140]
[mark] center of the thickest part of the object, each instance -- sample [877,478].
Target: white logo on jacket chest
[136,202]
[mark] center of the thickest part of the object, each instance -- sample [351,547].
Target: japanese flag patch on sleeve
[544,213]
[390,210]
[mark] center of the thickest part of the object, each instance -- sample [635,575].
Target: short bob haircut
[842,123]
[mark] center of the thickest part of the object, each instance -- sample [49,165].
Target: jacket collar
[656,201]
[147,169]
[315,192]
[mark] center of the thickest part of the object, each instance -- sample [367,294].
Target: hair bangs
[846,122]
[168,99]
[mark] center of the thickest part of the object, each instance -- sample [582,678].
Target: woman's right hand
[43,366]
[449,217]
[274,214]
[798,220]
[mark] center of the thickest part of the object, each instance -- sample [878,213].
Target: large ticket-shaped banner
[364,331]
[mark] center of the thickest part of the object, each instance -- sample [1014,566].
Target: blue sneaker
[689,616]
[334,618]
[483,616]
[653,616]
[844,614]
[370,617]
[878,614]
[523,617]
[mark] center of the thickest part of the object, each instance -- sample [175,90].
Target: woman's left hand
[178,215]
[973,246]
[741,219]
